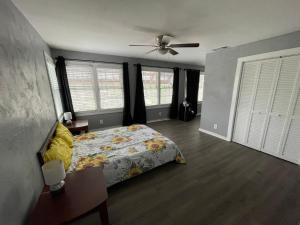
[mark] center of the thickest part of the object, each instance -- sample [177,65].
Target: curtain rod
[95,61]
[99,61]
[163,67]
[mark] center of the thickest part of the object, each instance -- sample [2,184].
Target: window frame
[158,70]
[49,60]
[96,88]
[201,74]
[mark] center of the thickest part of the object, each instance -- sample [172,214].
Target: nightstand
[78,125]
[84,192]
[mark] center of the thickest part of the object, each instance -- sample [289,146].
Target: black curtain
[174,104]
[192,85]
[139,104]
[61,73]
[127,119]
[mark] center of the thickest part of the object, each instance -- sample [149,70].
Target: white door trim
[237,79]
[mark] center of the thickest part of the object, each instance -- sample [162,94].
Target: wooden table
[78,126]
[85,191]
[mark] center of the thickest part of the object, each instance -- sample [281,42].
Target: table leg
[103,213]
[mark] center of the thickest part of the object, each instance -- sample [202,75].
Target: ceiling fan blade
[144,45]
[187,45]
[153,50]
[172,51]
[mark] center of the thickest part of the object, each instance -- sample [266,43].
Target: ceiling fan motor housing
[162,40]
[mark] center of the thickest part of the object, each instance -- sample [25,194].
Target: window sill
[158,106]
[93,113]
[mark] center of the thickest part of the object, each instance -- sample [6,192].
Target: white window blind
[150,82]
[110,84]
[55,88]
[81,83]
[166,87]
[201,85]
[158,86]
[95,86]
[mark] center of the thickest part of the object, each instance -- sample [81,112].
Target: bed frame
[46,144]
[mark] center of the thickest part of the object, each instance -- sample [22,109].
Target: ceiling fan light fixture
[163,47]
[163,51]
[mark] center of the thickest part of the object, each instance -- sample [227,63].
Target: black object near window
[127,119]
[192,86]
[61,73]
[139,104]
[174,104]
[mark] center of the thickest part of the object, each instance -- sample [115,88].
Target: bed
[123,152]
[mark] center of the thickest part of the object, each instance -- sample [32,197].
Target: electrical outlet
[215,126]
[159,113]
[101,122]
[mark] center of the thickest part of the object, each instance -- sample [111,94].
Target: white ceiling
[108,26]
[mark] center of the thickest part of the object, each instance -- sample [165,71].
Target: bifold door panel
[267,115]
[261,100]
[291,146]
[278,115]
[246,94]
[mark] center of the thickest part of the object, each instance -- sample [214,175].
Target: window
[95,87]
[150,82]
[158,86]
[55,89]
[110,87]
[200,90]
[166,87]
[81,84]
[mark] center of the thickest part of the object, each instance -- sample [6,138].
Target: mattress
[123,152]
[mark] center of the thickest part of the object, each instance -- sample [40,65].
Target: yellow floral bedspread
[123,152]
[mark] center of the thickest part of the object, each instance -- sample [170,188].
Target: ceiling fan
[163,47]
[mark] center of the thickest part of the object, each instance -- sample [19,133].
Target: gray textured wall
[115,119]
[26,111]
[220,70]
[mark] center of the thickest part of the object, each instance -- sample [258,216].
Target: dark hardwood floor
[223,183]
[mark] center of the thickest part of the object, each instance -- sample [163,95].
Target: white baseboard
[214,134]
[158,120]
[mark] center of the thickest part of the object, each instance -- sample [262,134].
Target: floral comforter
[123,152]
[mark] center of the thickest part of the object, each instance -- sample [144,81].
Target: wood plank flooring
[223,183]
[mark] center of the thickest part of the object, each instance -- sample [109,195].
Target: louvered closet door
[291,142]
[247,87]
[261,102]
[282,99]
[268,110]
[291,150]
